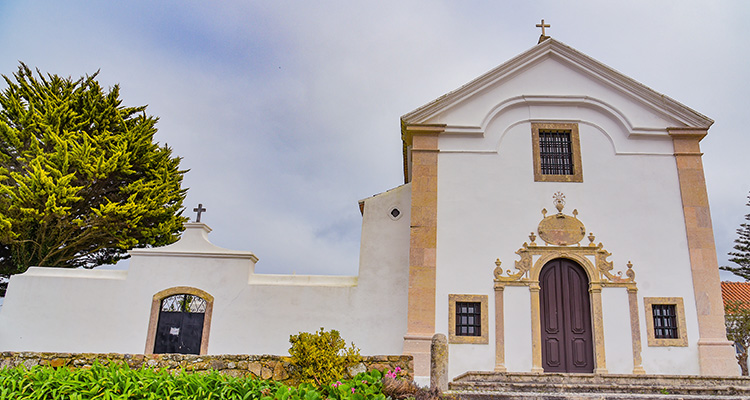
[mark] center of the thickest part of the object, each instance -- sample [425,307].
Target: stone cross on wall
[199,210]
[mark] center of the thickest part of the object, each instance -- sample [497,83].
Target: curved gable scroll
[156,307]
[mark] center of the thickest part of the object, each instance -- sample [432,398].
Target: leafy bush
[364,386]
[118,381]
[321,357]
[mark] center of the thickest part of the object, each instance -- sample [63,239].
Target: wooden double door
[567,344]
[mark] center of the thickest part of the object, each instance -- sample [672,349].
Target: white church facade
[554,218]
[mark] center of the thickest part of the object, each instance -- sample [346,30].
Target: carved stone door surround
[562,235]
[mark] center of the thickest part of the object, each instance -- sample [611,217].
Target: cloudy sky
[287,113]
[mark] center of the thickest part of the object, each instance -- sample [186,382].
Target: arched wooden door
[567,344]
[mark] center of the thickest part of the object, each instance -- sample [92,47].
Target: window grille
[555,152]
[184,303]
[665,321]
[468,319]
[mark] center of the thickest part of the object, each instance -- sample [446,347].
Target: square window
[557,153]
[665,321]
[467,319]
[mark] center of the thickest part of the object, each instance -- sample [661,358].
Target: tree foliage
[741,253]
[737,319]
[81,178]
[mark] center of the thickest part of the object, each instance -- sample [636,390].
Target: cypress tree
[81,178]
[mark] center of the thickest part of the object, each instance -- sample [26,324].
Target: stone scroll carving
[562,235]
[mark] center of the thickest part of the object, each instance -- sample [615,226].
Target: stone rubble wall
[263,366]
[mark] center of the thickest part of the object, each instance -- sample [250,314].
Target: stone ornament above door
[560,229]
[562,235]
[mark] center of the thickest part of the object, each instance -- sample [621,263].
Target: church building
[554,218]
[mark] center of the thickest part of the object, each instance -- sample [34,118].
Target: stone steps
[527,386]
[585,396]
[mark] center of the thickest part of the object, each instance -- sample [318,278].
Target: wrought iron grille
[555,152]
[665,321]
[184,303]
[468,319]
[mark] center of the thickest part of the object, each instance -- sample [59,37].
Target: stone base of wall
[263,367]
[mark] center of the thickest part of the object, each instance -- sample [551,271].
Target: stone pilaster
[536,329]
[499,329]
[715,351]
[635,331]
[598,326]
[422,142]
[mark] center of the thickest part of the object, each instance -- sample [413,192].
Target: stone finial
[559,201]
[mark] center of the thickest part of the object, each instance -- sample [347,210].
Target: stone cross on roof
[199,210]
[543,25]
[544,35]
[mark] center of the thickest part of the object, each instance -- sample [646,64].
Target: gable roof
[591,67]
[735,292]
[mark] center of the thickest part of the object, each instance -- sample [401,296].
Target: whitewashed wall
[630,199]
[108,311]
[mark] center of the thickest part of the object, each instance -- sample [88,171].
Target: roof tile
[735,291]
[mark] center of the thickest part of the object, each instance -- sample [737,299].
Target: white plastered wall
[630,199]
[108,311]
[617,334]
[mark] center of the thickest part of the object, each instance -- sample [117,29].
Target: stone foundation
[263,367]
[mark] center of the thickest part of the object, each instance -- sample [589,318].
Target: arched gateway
[180,326]
[180,321]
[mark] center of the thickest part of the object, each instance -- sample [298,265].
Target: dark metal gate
[567,344]
[180,326]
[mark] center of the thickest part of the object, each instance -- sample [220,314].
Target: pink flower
[364,381]
[353,389]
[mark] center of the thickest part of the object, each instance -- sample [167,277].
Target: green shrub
[321,357]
